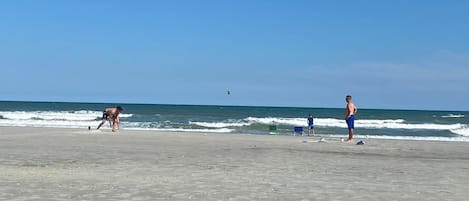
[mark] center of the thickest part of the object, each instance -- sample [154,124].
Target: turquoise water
[453,125]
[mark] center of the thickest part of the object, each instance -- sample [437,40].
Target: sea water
[371,123]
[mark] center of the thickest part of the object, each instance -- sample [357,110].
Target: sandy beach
[73,164]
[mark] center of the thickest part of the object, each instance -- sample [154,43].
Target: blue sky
[387,54]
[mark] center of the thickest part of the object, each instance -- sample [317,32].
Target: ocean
[370,123]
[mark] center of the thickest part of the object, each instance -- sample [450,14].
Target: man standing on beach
[111,115]
[350,111]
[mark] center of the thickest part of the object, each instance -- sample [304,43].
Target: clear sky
[387,54]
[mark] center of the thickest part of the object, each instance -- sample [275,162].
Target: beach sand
[73,164]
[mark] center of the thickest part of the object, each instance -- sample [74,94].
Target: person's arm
[114,120]
[117,120]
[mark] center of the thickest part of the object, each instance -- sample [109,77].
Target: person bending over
[111,115]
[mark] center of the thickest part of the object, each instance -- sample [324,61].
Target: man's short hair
[120,108]
[348,98]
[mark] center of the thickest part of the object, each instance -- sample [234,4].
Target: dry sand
[71,164]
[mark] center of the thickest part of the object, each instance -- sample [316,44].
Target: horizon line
[217,105]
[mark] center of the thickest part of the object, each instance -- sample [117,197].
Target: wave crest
[453,116]
[459,129]
[81,115]
[220,124]
[464,131]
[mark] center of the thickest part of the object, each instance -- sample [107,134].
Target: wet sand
[73,164]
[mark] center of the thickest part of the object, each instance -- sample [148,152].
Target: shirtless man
[111,115]
[350,111]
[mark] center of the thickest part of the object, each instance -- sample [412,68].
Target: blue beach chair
[297,130]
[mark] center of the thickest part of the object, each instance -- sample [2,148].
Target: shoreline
[331,136]
[76,164]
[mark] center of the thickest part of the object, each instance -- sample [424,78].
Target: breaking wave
[85,118]
[453,116]
[460,129]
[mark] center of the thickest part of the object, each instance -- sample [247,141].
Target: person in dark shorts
[111,115]
[310,125]
[350,111]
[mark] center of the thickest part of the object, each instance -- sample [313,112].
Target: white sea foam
[363,123]
[453,116]
[220,124]
[425,126]
[84,125]
[48,123]
[85,118]
[275,120]
[125,115]
[221,130]
[51,115]
[418,138]
[55,119]
[460,129]
[464,131]
[82,115]
[93,124]
[156,126]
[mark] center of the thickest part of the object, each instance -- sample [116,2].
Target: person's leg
[115,122]
[102,122]
[103,119]
[350,134]
[118,123]
[350,125]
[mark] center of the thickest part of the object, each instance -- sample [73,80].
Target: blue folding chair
[298,130]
